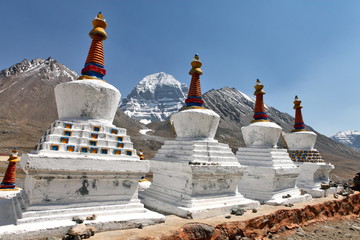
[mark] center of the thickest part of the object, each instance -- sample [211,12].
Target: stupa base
[289,196]
[199,208]
[195,179]
[271,176]
[36,224]
[317,192]
[312,175]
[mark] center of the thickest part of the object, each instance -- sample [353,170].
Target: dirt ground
[339,229]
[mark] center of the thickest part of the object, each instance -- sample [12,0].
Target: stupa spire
[259,111]
[9,181]
[94,66]
[194,99]
[299,122]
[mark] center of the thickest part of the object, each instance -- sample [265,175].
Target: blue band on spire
[93,74]
[195,97]
[190,104]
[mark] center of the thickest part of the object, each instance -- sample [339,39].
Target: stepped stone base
[316,192]
[195,179]
[78,169]
[199,208]
[311,176]
[271,176]
[37,222]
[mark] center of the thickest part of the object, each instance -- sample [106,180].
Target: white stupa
[195,176]
[314,171]
[271,176]
[83,165]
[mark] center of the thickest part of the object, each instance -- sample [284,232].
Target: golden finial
[196,65]
[258,87]
[14,156]
[297,103]
[99,24]
[100,16]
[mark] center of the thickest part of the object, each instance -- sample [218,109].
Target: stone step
[42,216]
[196,157]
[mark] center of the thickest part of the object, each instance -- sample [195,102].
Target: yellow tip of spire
[258,87]
[99,24]
[99,15]
[196,65]
[297,103]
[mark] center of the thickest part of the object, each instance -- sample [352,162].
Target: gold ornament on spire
[297,103]
[258,87]
[196,65]
[99,24]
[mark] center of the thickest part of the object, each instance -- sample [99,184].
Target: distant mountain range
[28,107]
[348,138]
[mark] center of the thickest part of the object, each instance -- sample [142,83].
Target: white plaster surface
[87,99]
[61,184]
[143,185]
[84,179]
[81,135]
[8,206]
[42,224]
[195,123]
[312,175]
[270,177]
[195,179]
[303,140]
[261,134]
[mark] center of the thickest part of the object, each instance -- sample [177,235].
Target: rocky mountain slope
[26,89]
[28,107]
[348,138]
[27,100]
[155,98]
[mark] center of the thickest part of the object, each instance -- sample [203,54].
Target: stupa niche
[271,176]
[195,176]
[83,164]
[313,170]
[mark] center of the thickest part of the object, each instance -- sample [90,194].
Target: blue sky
[309,48]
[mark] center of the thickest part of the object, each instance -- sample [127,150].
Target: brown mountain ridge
[28,107]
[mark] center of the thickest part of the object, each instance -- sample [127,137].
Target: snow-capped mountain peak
[148,86]
[350,138]
[155,98]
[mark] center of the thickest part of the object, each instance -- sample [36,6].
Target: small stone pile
[78,232]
